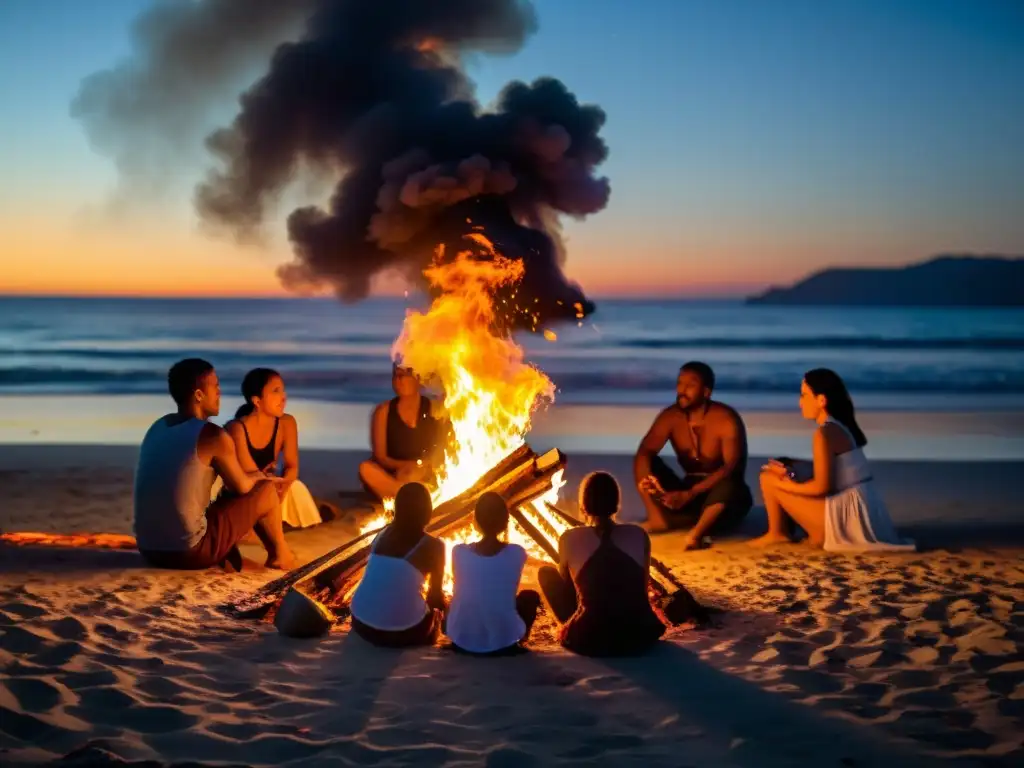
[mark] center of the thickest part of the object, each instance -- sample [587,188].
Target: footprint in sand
[34,695]
[109,706]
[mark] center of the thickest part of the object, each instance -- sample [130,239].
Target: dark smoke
[189,59]
[375,92]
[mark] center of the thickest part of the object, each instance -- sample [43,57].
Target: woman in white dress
[266,437]
[838,506]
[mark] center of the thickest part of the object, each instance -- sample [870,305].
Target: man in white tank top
[175,524]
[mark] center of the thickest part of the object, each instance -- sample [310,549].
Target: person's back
[599,592]
[482,617]
[390,595]
[172,487]
[488,613]
[614,615]
[390,606]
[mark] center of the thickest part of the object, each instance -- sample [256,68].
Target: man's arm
[224,460]
[652,444]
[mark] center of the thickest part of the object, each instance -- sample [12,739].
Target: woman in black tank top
[263,435]
[604,607]
[405,439]
[407,443]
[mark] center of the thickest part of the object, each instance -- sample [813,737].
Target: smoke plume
[375,93]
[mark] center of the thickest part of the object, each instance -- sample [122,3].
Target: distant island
[943,281]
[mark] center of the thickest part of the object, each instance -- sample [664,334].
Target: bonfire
[490,391]
[462,346]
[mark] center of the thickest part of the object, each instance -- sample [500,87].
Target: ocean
[627,353]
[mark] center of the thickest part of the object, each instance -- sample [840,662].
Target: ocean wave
[827,342]
[372,385]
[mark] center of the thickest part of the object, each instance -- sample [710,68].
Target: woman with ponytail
[838,506]
[265,436]
[599,590]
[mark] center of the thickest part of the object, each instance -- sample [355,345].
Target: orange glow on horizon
[39,259]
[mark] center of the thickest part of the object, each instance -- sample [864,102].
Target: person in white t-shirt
[488,615]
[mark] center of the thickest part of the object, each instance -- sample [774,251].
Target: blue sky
[751,142]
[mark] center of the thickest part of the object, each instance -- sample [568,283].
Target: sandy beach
[817,659]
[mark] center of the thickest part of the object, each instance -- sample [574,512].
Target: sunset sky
[751,142]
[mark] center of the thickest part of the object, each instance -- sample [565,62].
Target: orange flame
[490,391]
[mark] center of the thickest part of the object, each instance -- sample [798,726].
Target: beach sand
[818,659]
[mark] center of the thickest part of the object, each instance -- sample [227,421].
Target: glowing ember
[72,540]
[490,392]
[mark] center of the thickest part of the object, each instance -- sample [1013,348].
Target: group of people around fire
[201,489]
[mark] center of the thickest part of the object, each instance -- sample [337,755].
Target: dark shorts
[228,520]
[732,492]
[424,633]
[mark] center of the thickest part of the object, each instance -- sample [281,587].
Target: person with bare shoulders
[710,442]
[406,438]
[599,592]
[176,525]
[388,607]
[837,504]
[261,421]
[489,615]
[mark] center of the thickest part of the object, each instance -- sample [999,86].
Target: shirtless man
[176,525]
[710,442]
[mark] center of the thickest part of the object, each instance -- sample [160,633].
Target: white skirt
[298,509]
[857,520]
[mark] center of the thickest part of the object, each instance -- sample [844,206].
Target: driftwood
[449,515]
[256,605]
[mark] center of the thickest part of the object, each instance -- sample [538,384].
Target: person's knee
[265,493]
[366,470]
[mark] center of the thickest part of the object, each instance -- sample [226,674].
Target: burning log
[523,474]
[528,480]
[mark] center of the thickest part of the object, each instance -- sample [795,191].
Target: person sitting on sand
[388,607]
[262,420]
[486,615]
[599,592]
[176,525]
[710,442]
[405,438]
[838,506]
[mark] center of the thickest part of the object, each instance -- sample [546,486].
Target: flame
[490,391]
[550,335]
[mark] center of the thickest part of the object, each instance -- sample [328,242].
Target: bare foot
[769,539]
[284,562]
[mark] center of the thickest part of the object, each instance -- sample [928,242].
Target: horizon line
[653,295]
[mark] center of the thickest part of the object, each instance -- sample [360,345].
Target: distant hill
[944,281]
